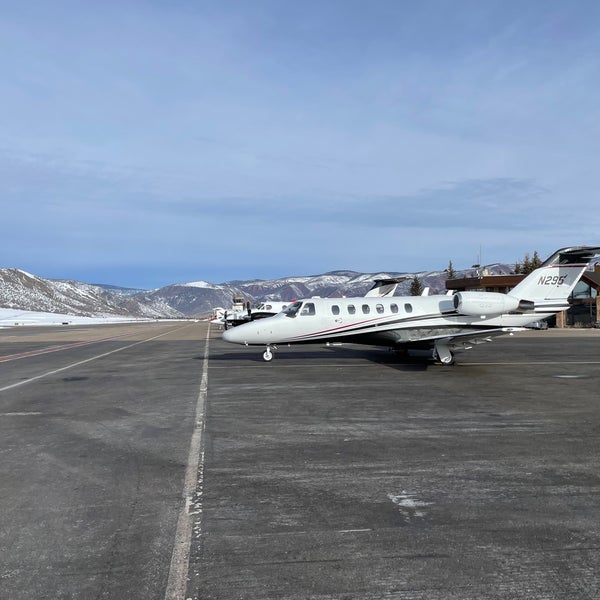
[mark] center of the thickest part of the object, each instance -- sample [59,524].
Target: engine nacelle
[484,304]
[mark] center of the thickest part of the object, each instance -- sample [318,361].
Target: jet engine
[485,304]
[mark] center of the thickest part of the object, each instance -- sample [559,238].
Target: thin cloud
[277,138]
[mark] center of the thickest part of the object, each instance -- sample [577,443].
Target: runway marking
[192,495]
[87,360]
[49,349]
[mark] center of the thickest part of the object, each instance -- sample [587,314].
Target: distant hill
[117,289]
[24,291]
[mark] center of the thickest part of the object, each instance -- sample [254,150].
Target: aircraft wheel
[267,356]
[448,359]
[444,355]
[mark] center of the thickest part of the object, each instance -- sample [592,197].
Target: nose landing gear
[267,354]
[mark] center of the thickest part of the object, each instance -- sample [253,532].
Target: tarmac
[156,461]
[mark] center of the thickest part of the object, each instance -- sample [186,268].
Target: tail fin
[550,285]
[384,287]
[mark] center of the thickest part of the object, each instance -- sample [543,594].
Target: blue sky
[145,143]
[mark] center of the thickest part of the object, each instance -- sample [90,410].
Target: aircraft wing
[468,339]
[443,344]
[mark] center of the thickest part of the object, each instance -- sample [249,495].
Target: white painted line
[192,496]
[352,530]
[48,349]
[87,360]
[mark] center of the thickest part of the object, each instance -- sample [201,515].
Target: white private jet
[260,311]
[438,324]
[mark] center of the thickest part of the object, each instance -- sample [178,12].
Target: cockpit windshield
[292,309]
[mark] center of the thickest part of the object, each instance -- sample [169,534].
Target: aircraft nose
[232,335]
[247,333]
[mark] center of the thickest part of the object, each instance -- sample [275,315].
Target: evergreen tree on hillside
[416,287]
[527,265]
[451,273]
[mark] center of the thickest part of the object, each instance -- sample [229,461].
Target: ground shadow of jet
[393,360]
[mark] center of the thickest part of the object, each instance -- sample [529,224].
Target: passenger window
[366,309]
[394,308]
[351,309]
[335,309]
[308,309]
[379,308]
[408,307]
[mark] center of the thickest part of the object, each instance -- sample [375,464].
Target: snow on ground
[10,317]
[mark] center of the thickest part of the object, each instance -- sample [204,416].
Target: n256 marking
[552,279]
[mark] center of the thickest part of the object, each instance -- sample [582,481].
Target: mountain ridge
[24,291]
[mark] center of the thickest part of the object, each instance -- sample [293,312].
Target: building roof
[592,278]
[469,283]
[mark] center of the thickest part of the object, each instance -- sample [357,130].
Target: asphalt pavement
[156,461]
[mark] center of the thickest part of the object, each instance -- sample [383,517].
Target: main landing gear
[267,354]
[443,353]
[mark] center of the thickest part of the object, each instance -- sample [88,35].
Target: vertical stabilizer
[384,287]
[551,284]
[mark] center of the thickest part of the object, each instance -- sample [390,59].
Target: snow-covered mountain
[21,290]
[24,291]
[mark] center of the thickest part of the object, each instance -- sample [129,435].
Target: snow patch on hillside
[201,284]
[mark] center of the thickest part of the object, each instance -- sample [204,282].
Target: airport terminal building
[585,299]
